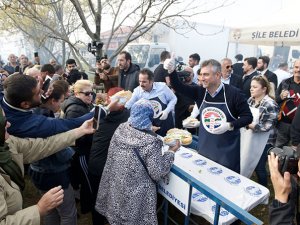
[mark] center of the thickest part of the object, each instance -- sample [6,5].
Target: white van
[146,55]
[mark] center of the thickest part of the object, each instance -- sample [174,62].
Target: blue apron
[164,125]
[221,148]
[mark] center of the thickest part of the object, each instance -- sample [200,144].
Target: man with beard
[106,74]
[288,97]
[262,67]
[129,73]
[229,77]
[249,72]
[23,93]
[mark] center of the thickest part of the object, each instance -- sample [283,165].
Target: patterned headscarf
[141,115]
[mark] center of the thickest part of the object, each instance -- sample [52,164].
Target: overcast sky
[245,13]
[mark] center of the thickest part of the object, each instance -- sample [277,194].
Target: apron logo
[212,118]
[156,108]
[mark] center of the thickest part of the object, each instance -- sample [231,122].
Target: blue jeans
[260,169]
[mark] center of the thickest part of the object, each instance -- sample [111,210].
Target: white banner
[273,35]
[175,191]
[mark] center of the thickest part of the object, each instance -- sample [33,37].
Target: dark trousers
[260,169]
[97,218]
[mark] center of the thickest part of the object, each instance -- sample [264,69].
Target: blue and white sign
[176,192]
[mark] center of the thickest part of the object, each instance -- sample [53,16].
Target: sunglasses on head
[229,66]
[87,93]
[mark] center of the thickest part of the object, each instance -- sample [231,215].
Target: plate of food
[190,123]
[174,134]
[122,96]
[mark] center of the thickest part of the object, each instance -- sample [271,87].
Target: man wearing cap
[106,74]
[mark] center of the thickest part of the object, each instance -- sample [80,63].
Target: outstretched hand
[115,105]
[169,64]
[53,198]
[282,184]
[87,127]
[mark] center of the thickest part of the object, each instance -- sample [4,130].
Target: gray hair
[213,63]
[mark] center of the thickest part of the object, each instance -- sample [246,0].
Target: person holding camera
[106,74]
[282,209]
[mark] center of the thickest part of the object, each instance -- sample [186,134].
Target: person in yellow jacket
[14,152]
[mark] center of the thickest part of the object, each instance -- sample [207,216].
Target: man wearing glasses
[228,77]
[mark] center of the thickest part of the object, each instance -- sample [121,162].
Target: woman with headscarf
[14,152]
[127,190]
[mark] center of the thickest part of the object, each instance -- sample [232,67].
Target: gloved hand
[222,128]
[163,115]
[169,64]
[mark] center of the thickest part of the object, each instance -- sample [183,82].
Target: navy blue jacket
[24,123]
[236,101]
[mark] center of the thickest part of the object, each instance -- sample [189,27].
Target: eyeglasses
[229,66]
[87,93]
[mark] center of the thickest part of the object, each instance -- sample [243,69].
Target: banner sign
[175,191]
[288,35]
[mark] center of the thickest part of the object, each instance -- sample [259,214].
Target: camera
[94,47]
[287,159]
[182,75]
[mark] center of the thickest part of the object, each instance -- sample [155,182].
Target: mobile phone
[96,117]
[36,54]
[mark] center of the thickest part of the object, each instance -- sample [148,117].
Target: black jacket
[236,81]
[129,79]
[284,214]
[236,101]
[295,129]
[272,77]
[74,107]
[101,140]
[247,83]
[238,69]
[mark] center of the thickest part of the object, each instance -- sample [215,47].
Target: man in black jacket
[238,66]
[129,73]
[249,72]
[262,67]
[288,98]
[228,76]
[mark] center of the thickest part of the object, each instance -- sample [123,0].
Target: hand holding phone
[96,117]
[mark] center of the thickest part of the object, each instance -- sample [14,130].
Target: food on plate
[190,123]
[174,134]
[122,96]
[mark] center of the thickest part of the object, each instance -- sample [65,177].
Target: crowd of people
[47,109]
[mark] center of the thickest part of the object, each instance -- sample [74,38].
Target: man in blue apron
[162,98]
[223,110]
